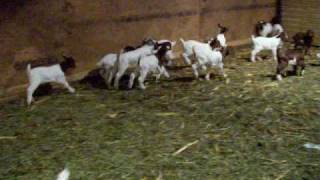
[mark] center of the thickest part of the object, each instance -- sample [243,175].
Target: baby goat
[108,69]
[294,57]
[108,62]
[131,58]
[154,63]
[190,44]
[46,74]
[266,43]
[266,29]
[222,39]
[208,58]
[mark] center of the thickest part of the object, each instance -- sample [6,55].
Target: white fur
[277,29]
[188,48]
[131,59]
[64,175]
[265,43]
[279,77]
[269,29]
[222,39]
[266,30]
[207,58]
[293,61]
[45,74]
[108,63]
[148,64]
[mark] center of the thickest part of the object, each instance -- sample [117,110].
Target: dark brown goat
[303,40]
[293,57]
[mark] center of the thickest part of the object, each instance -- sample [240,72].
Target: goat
[131,58]
[207,58]
[263,28]
[153,63]
[303,40]
[108,62]
[221,35]
[222,39]
[163,53]
[46,74]
[266,43]
[190,44]
[266,29]
[108,69]
[131,48]
[293,57]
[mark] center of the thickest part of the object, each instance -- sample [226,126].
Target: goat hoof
[279,78]
[72,91]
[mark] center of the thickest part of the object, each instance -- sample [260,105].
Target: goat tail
[253,37]
[29,70]
[64,175]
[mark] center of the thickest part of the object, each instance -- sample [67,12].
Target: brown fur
[284,56]
[303,40]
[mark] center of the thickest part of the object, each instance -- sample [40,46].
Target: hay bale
[35,57]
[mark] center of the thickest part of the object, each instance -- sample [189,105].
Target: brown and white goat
[294,57]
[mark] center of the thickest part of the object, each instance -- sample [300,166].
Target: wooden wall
[299,16]
[89,29]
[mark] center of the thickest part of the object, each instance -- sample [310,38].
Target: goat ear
[174,43]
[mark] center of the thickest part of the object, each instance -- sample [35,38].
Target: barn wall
[89,29]
[299,16]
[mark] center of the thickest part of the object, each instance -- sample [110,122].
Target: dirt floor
[247,126]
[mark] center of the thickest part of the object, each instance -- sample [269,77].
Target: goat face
[169,55]
[215,44]
[67,64]
[222,29]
